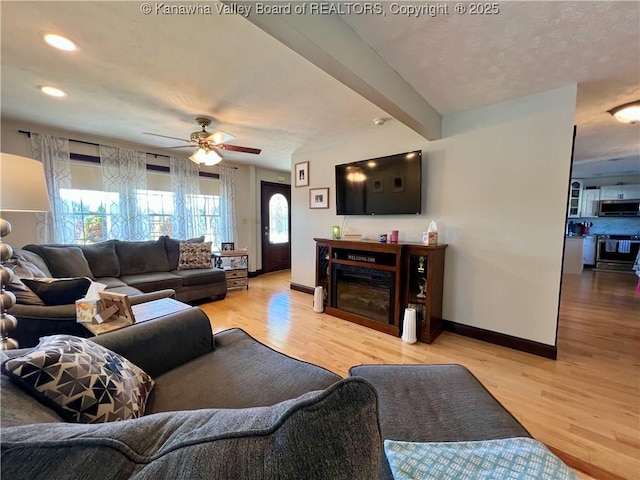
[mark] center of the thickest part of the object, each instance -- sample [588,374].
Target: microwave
[619,208]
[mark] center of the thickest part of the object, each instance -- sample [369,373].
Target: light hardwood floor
[585,406]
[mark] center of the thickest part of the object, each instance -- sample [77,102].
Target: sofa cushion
[201,276]
[194,255]
[260,376]
[142,257]
[58,291]
[66,262]
[149,282]
[81,380]
[447,403]
[30,253]
[329,434]
[170,341]
[172,245]
[20,408]
[110,282]
[102,258]
[23,268]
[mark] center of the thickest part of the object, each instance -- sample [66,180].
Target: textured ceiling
[459,62]
[137,73]
[155,73]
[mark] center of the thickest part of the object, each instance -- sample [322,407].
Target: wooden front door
[276,226]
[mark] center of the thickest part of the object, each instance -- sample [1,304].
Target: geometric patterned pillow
[81,380]
[194,255]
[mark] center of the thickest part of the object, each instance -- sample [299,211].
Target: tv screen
[389,185]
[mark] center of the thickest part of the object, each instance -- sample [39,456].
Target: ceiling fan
[207,144]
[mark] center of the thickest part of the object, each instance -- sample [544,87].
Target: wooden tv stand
[371,283]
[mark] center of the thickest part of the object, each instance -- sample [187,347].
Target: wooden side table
[235,264]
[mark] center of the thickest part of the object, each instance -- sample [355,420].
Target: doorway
[275,226]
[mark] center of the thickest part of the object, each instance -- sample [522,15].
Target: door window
[278,219]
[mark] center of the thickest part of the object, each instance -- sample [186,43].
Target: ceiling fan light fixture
[199,156]
[205,157]
[627,113]
[212,158]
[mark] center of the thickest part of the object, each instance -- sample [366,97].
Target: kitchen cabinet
[619,192]
[575,195]
[590,200]
[631,191]
[589,250]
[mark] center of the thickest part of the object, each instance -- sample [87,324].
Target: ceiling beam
[330,44]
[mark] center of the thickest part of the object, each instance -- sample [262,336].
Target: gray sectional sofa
[133,268]
[227,407]
[223,407]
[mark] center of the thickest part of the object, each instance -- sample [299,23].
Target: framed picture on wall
[302,174]
[319,197]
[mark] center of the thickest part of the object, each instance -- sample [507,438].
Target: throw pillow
[81,380]
[23,269]
[173,249]
[58,291]
[507,458]
[194,255]
[66,262]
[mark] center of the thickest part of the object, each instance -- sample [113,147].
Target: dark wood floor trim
[580,465]
[301,288]
[502,339]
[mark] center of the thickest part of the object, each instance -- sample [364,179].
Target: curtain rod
[156,155]
[28,134]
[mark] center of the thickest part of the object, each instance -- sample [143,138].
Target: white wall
[24,224]
[496,184]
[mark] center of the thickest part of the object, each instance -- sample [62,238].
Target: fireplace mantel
[371,283]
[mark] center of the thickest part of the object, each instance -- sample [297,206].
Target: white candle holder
[409,326]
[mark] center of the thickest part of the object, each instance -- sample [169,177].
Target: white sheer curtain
[53,152]
[227,203]
[124,171]
[185,186]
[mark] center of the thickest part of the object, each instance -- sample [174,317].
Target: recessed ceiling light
[60,42]
[54,92]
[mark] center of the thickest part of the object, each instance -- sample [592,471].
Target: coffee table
[142,312]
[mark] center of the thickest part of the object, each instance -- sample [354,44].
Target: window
[91,212]
[159,208]
[278,219]
[86,210]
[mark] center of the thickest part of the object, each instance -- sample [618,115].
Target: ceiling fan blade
[237,148]
[166,136]
[218,137]
[179,146]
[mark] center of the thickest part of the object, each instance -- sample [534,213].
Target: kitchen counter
[572,262]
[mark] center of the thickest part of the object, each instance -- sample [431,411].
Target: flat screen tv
[389,185]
